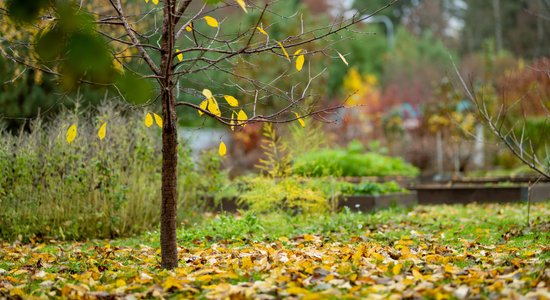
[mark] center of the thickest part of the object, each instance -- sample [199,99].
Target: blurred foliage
[413,67]
[450,113]
[530,83]
[25,11]
[468,25]
[396,12]
[65,43]
[523,26]
[309,138]
[353,161]
[70,34]
[365,49]
[363,89]
[27,94]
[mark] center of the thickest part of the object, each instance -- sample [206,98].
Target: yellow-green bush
[263,194]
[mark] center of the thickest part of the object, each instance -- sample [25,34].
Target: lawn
[439,252]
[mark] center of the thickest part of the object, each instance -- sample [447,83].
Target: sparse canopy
[146,49]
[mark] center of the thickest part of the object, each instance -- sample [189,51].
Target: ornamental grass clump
[90,187]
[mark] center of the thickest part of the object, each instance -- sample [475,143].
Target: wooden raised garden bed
[480,192]
[403,181]
[455,192]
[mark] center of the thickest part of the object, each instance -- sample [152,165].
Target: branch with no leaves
[118,8]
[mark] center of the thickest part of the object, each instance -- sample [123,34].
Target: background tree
[512,100]
[516,26]
[129,47]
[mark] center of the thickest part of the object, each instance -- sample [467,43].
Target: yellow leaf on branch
[71,134]
[241,117]
[300,62]
[118,66]
[210,21]
[262,31]
[158,120]
[284,50]
[180,55]
[102,130]
[232,101]
[300,120]
[242,5]
[203,106]
[207,93]
[148,120]
[155,2]
[222,149]
[213,107]
[189,27]
[232,123]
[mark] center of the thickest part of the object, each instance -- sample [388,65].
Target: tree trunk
[498,26]
[168,242]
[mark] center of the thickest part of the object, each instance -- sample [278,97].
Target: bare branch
[118,7]
[190,21]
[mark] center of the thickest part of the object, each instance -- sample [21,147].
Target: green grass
[451,224]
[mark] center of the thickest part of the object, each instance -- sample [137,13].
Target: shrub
[351,162]
[263,194]
[373,188]
[302,194]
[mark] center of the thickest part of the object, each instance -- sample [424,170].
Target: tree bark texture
[168,242]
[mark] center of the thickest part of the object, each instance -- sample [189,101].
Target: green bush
[372,188]
[90,188]
[351,162]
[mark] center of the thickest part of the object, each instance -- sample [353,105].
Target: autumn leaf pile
[449,255]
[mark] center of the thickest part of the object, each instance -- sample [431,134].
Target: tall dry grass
[90,188]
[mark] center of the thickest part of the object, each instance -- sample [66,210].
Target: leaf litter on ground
[439,252]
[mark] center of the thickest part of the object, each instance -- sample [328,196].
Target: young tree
[107,43]
[512,123]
